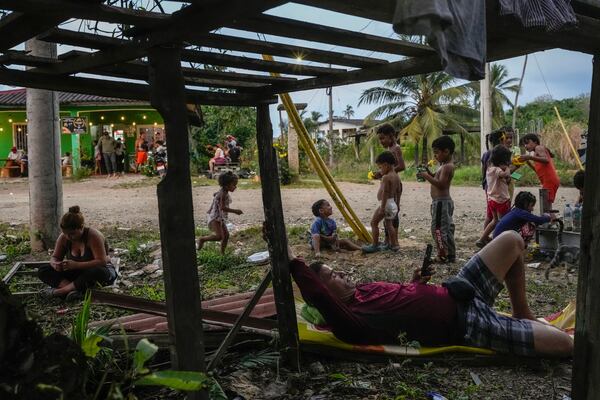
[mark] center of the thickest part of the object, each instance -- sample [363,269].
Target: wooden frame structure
[149,56]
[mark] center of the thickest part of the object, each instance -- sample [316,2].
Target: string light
[10,120]
[156,123]
[112,125]
[122,118]
[102,117]
[133,123]
[90,124]
[143,117]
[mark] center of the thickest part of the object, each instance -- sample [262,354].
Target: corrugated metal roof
[17,98]
[145,323]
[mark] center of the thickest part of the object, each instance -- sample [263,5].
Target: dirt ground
[131,202]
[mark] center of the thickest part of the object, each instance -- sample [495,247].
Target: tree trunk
[515,105]
[372,154]
[43,147]
[416,153]
[357,147]
[485,104]
[292,146]
[424,151]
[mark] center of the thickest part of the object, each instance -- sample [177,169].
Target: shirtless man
[442,206]
[389,196]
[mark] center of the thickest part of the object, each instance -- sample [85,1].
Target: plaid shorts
[484,326]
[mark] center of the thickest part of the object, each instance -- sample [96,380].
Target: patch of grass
[82,173]
[154,292]
[211,260]
[148,181]
[201,181]
[309,182]
[14,243]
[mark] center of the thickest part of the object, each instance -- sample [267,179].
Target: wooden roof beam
[283,50]
[96,12]
[213,14]
[290,28]
[125,90]
[16,28]
[380,10]
[255,64]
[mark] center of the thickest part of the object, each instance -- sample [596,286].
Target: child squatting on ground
[219,210]
[388,138]
[520,219]
[389,196]
[442,206]
[498,198]
[323,231]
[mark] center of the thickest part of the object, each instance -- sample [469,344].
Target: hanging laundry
[551,15]
[456,29]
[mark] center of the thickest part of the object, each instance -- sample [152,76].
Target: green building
[124,119]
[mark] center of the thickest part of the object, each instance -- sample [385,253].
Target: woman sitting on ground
[79,261]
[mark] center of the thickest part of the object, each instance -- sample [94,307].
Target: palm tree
[501,86]
[428,102]
[348,112]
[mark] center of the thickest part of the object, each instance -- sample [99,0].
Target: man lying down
[378,312]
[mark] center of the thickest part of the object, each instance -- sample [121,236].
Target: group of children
[498,164]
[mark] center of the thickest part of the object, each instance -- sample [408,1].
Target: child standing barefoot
[389,196]
[219,209]
[442,206]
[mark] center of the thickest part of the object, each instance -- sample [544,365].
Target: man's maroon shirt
[380,311]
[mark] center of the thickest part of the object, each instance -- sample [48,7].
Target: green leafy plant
[82,173]
[88,339]
[180,380]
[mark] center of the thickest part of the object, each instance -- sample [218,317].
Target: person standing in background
[107,143]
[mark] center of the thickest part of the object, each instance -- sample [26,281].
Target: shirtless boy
[389,196]
[442,206]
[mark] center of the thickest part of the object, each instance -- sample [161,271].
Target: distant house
[343,128]
[122,118]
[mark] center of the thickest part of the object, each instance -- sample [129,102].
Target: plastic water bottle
[568,218]
[577,218]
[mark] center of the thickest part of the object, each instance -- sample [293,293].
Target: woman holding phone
[80,260]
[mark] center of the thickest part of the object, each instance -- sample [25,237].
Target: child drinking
[218,212]
[520,218]
[442,206]
[323,230]
[498,198]
[389,196]
[542,164]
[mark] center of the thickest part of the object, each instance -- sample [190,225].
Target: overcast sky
[567,74]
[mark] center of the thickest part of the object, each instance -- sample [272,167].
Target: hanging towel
[456,29]
[551,15]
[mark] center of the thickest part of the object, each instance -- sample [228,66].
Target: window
[20,136]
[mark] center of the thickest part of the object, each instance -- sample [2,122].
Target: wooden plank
[380,10]
[58,9]
[231,335]
[124,90]
[586,365]
[175,215]
[255,64]
[275,230]
[12,272]
[214,14]
[290,28]
[284,50]
[410,66]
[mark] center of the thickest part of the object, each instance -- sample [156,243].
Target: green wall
[126,118]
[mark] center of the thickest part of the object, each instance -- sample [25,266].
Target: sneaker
[74,296]
[370,249]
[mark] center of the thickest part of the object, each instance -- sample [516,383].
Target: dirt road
[106,202]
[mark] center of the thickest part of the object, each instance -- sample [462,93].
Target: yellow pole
[568,139]
[314,156]
[328,181]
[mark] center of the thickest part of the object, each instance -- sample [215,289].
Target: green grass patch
[155,292]
[14,242]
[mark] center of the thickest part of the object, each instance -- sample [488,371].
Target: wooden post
[275,227]
[176,215]
[586,360]
[485,105]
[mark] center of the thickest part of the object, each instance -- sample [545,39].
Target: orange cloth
[548,176]
[141,157]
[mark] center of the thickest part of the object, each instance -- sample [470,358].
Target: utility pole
[485,107]
[514,119]
[329,93]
